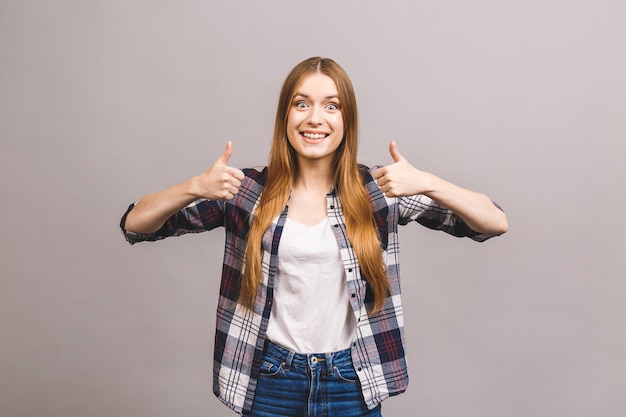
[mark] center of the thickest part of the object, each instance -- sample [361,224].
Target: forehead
[316,85]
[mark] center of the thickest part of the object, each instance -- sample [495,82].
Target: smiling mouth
[314,136]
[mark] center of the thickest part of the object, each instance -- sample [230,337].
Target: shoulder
[255,173]
[366,172]
[250,189]
[378,199]
[366,175]
[255,176]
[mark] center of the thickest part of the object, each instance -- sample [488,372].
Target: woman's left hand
[476,209]
[401,178]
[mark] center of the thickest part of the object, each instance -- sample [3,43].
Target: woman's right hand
[220,182]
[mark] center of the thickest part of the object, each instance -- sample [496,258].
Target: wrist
[191,188]
[430,183]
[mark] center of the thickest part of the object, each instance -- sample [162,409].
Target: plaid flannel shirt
[378,347]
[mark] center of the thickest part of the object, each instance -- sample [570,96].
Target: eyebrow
[307,96]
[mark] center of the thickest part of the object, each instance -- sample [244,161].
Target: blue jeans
[308,385]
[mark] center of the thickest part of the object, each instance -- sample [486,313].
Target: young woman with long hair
[309,318]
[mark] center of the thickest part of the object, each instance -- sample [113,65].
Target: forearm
[476,209]
[220,182]
[152,211]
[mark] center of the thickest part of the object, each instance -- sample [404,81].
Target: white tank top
[311,311]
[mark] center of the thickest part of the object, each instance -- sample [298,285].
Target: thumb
[225,156]
[393,150]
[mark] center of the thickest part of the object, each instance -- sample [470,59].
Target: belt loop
[329,363]
[289,360]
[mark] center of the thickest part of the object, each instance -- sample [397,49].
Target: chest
[307,208]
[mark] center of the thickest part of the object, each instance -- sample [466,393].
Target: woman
[309,318]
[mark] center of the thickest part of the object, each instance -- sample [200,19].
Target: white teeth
[314,135]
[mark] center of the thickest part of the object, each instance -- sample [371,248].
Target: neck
[313,177]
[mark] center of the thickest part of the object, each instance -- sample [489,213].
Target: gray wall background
[102,102]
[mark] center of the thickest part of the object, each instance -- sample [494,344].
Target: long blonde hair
[349,186]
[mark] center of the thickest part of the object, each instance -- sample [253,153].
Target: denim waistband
[307,359]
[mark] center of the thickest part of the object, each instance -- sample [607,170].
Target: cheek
[290,137]
[294,118]
[291,125]
[338,125]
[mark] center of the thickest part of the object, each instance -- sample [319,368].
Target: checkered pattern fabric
[378,348]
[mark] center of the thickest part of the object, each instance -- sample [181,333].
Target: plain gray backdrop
[102,102]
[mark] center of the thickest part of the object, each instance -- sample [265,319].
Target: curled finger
[234,181]
[380,172]
[233,190]
[237,173]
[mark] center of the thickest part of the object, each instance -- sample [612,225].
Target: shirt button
[349,269]
[336,225]
[353,296]
[332,207]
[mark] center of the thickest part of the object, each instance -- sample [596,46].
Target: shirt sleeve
[199,216]
[429,213]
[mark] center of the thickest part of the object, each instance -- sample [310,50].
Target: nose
[315,115]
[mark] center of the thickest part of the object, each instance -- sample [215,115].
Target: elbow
[132,222]
[500,223]
[496,225]
[129,226]
[492,229]
[134,225]
[127,222]
[501,226]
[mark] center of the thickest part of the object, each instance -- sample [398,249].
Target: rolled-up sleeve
[431,214]
[199,216]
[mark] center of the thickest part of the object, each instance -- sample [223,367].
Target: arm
[476,209]
[220,182]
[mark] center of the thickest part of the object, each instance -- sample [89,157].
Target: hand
[400,178]
[476,209]
[220,182]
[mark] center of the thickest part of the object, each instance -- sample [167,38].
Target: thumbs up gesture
[400,178]
[220,182]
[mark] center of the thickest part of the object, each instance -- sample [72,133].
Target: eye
[332,106]
[301,105]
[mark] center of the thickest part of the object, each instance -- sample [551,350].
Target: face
[314,121]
